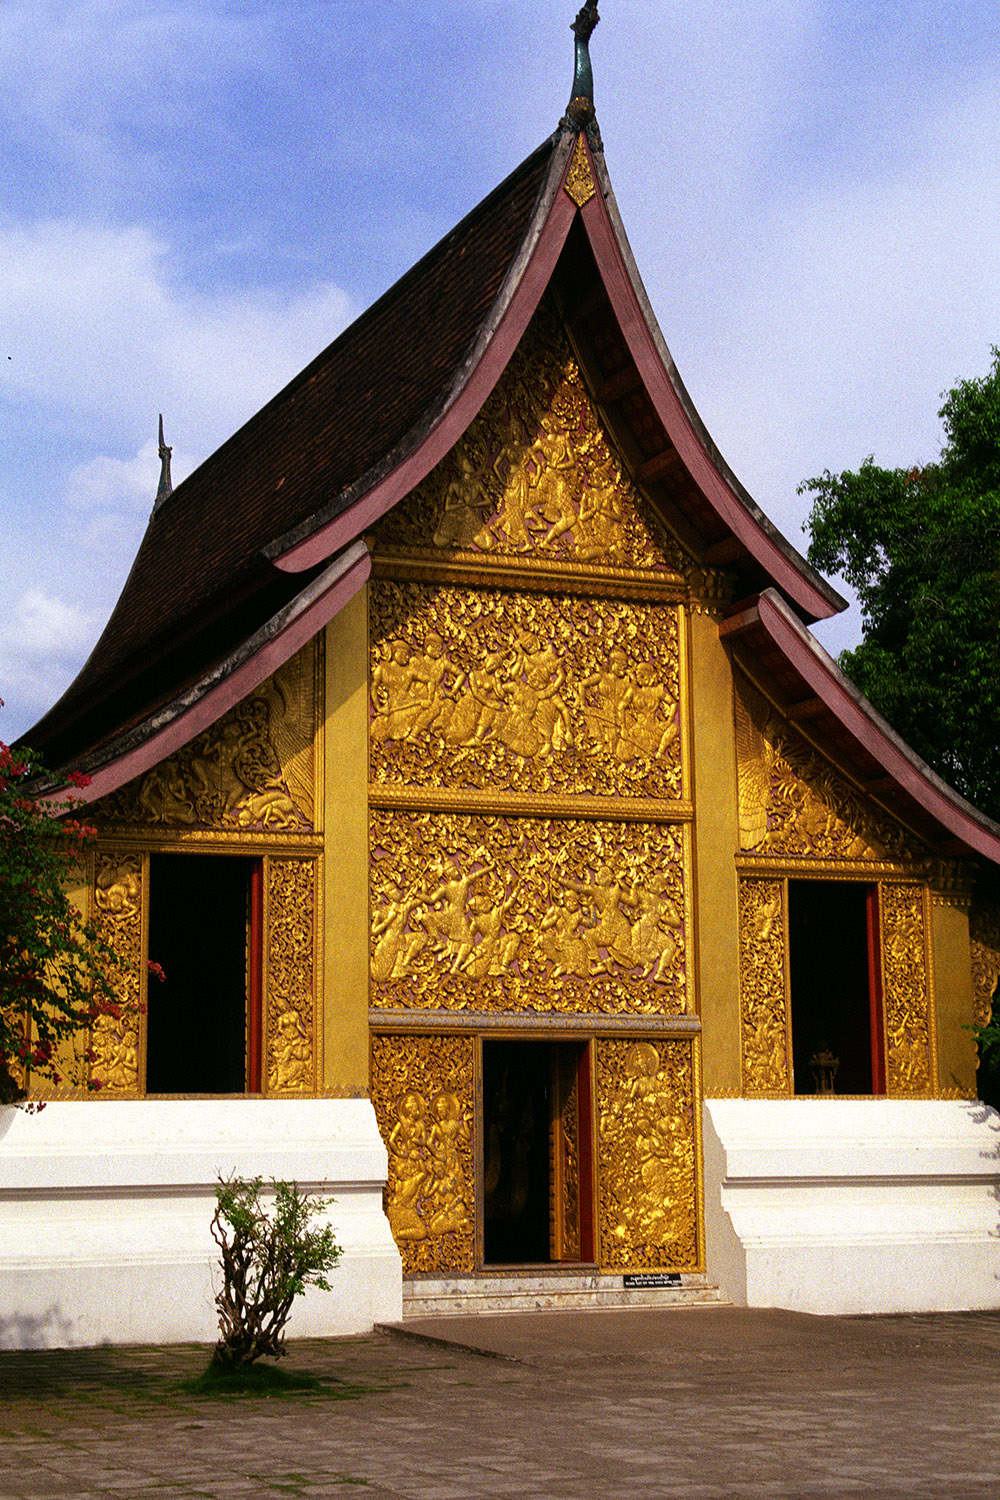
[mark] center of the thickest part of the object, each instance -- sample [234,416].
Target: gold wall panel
[794,803]
[290,976]
[763,998]
[118,878]
[906,997]
[534,477]
[516,914]
[524,692]
[423,1090]
[253,770]
[984,936]
[647,1171]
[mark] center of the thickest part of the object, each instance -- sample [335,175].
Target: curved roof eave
[820,674]
[172,726]
[374,494]
[806,588]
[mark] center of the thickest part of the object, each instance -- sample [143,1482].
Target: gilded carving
[564,1178]
[905,990]
[423,1091]
[493,913]
[648,1205]
[793,802]
[114,1043]
[290,971]
[579,182]
[525,693]
[763,1004]
[984,937]
[252,770]
[534,476]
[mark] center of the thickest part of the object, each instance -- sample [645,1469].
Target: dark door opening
[537,1153]
[202,1026]
[833,973]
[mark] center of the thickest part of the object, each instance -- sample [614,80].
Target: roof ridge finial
[165,486]
[580,113]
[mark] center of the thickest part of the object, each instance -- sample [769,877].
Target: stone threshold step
[428,1297]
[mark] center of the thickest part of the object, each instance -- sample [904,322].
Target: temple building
[523,872]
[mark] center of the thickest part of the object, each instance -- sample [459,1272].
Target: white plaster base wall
[105,1208]
[853,1206]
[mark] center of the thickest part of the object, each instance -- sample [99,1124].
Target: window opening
[203,1026]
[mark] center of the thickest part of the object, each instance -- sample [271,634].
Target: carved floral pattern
[534,475]
[648,1211]
[793,802]
[118,917]
[252,770]
[984,936]
[290,947]
[905,990]
[492,913]
[763,1010]
[423,1090]
[524,692]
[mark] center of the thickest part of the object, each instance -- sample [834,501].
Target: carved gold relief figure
[535,475]
[793,802]
[422,1090]
[291,903]
[984,939]
[527,914]
[524,692]
[118,914]
[906,1000]
[648,1183]
[763,1011]
[251,770]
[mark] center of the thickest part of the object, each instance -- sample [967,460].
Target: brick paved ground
[706,1403]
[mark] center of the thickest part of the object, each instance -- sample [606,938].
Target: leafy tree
[56,971]
[268,1259]
[921,547]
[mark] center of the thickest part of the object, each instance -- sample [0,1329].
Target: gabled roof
[261,546]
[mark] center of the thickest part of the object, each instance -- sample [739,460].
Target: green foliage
[56,972]
[921,547]
[268,1259]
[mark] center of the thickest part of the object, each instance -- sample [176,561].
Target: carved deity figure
[409,1152]
[395,943]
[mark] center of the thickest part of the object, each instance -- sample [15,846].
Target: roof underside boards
[822,701]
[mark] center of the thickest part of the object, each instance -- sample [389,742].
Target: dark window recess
[835,1006]
[201,1030]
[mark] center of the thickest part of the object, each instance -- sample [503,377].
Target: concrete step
[531,1291]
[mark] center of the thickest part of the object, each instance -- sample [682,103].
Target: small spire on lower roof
[580,113]
[165,486]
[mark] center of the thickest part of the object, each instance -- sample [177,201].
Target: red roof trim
[628,298]
[170,729]
[825,679]
[498,341]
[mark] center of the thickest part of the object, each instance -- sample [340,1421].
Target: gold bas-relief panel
[492,913]
[648,1205]
[984,938]
[118,917]
[252,771]
[524,692]
[423,1090]
[906,999]
[763,1006]
[579,182]
[792,802]
[290,968]
[534,477]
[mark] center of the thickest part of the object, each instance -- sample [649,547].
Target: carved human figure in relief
[601,514]
[447,1209]
[646,711]
[395,944]
[409,1150]
[464,504]
[612,931]
[656,928]
[449,921]
[496,949]
[478,704]
[561,939]
[536,720]
[291,1057]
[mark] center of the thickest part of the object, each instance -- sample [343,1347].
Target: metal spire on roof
[580,109]
[165,486]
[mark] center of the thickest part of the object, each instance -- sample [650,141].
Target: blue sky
[197,196]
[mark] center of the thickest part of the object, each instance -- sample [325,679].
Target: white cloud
[43,641]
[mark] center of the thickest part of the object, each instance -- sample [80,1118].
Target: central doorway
[537,1153]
